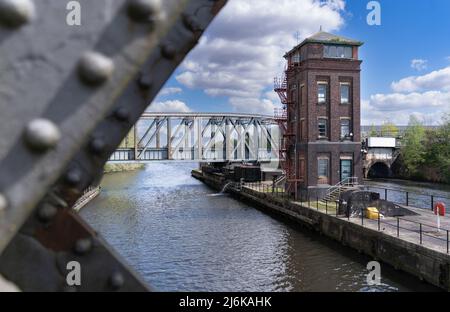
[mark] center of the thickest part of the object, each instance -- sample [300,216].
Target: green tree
[414,150]
[438,148]
[373,131]
[389,129]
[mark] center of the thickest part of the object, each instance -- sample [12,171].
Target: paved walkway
[420,229]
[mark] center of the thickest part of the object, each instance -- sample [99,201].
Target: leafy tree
[438,148]
[389,129]
[373,131]
[414,150]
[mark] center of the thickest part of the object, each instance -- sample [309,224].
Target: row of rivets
[15,13]
[95,68]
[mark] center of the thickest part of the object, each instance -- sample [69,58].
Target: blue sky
[406,67]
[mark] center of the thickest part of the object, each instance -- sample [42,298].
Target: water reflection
[182,236]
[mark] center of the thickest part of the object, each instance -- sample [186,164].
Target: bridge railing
[421,233]
[191,153]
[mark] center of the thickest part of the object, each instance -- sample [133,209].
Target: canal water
[180,235]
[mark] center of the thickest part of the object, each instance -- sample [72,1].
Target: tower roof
[325,37]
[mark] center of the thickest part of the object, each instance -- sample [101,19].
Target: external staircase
[334,192]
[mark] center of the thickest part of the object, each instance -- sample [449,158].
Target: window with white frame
[322,92]
[323,169]
[338,51]
[345,129]
[345,93]
[322,127]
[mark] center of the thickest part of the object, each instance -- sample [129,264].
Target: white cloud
[371,114]
[415,100]
[436,80]
[174,106]
[169,91]
[427,97]
[244,47]
[419,64]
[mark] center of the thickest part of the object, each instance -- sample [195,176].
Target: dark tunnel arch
[379,170]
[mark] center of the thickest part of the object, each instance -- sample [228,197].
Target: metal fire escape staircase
[288,139]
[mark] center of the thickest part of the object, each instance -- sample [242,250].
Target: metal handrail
[350,181]
[432,197]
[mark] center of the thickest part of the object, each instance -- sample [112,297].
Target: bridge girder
[196,137]
[68,96]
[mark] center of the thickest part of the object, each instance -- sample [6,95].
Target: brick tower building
[321,114]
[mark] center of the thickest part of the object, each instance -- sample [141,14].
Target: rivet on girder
[97,146]
[83,246]
[144,11]
[145,81]
[190,23]
[95,68]
[3,202]
[47,212]
[122,114]
[73,177]
[42,134]
[15,13]
[168,51]
[116,280]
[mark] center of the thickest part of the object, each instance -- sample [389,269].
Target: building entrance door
[346,169]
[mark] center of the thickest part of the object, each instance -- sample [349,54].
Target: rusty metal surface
[68,95]
[37,257]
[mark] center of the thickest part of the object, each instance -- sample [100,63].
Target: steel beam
[66,112]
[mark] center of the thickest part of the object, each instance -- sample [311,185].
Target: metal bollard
[398,227]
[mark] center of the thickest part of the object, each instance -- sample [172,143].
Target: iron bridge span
[202,137]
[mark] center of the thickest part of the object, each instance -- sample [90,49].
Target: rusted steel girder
[68,96]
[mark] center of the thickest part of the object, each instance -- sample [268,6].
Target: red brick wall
[334,71]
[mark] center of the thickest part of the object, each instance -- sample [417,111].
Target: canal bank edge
[93,192]
[119,167]
[424,263]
